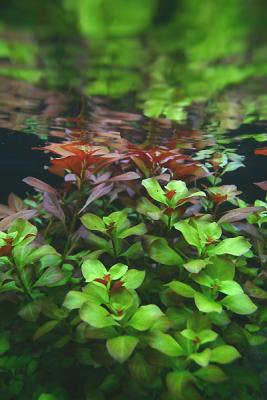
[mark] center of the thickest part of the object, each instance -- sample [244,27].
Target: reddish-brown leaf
[262,185]
[262,151]
[239,213]
[39,185]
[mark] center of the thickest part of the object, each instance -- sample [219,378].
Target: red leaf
[262,151]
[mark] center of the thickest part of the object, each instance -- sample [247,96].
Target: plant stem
[73,222]
[22,283]
[114,246]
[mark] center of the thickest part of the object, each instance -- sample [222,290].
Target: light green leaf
[195,266]
[221,268]
[93,222]
[230,287]
[207,335]
[133,278]
[205,304]
[189,233]
[144,317]
[117,271]
[97,293]
[165,344]
[75,299]
[93,269]
[202,358]
[239,304]
[182,289]
[235,246]
[224,354]
[96,316]
[154,190]
[138,230]
[121,348]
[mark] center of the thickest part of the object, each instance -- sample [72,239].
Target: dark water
[154,73]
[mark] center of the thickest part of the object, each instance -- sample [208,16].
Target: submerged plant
[142,284]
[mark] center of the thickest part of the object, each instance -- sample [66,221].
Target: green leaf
[189,233]
[144,317]
[166,344]
[117,271]
[221,268]
[98,242]
[4,343]
[47,396]
[97,293]
[161,252]
[230,287]
[145,207]
[141,370]
[211,373]
[93,222]
[195,266]
[154,190]
[239,304]
[30,311]
[93,269]
[255,291]
[26,232]
[205,304]
[75,299]
[96,315]
[43,251]
[133,278]
[50,277]
[235,246]
[134,251]
[121,348]
[182,289]
[202,358]
[20,254]
[138,230]
[45,328]
[224,354]
[207,335]
[178,382]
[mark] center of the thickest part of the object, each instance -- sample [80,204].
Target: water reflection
[148,73]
